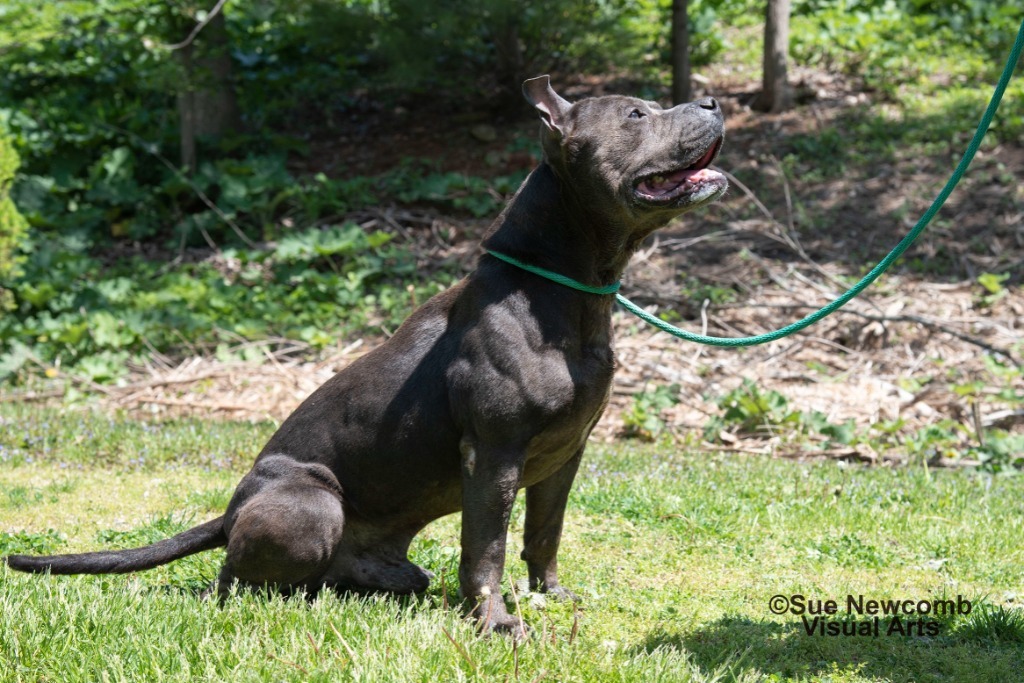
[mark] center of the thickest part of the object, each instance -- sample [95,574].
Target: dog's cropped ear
[552,108]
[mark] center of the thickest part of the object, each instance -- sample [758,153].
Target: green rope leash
[897,251]
[556,277]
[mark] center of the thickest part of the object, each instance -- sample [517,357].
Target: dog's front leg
[490,479]
[545,511]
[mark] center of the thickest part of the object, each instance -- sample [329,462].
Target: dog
[489,387]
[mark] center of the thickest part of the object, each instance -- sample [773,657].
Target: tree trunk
[508,52]
[186,113]
[775,95]
[680,53]
[509,60]
[207,106]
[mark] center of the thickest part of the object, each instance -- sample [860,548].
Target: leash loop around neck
[555,277]
[875,272]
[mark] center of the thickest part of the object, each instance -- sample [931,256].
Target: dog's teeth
[657,179]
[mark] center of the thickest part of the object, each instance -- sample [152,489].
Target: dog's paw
[218,591]
[492,616]
[554,591]
[561,593]
[507,624]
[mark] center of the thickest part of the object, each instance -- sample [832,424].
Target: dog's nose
[709,103]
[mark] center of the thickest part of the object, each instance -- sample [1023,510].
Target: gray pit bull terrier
[489,387]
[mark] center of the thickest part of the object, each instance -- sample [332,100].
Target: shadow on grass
[737,648]
[402,605]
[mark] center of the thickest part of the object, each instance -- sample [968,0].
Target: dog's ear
[552,108]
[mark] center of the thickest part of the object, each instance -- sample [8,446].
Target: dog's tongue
[662,185]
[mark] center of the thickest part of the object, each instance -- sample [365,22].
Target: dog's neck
[547,225]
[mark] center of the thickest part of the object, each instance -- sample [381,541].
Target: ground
[679,558]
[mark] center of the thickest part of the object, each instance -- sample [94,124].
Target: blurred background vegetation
[124,152]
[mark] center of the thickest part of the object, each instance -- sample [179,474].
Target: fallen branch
[731,449]
[950,462]
[932,324]
[1002,417]
[31,396]
[198,406]
[845,453]
[153,383]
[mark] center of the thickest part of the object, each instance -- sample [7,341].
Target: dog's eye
[636,114]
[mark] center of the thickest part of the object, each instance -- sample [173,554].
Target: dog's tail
[197,539]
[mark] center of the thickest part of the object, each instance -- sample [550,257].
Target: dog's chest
[533,372]
[566,389]
[584,387]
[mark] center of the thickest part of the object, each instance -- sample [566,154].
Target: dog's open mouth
[696,182]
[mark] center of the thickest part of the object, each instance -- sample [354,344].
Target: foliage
[999,451]
[88,97]
[88,93]
[997,624]
[12,225]
[893,43]
[422,42]
[643,419]
[749,410]
[1002,451]
[994,287]
[77,81]
[648,20]
[30,542]
[696,291]
[315,286]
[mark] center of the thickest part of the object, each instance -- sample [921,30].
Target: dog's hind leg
[284,525]
[374,558]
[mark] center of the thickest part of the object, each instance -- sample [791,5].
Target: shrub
[12,224]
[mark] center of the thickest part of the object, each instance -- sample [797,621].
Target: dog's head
[643,162]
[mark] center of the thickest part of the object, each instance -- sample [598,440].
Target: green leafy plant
[752,411]
[697,291]
[30,542]
[1002,452]
[76,312]
[943,439]
[849,550]
[643,418]
[12,224]
[748,409]
[994,287]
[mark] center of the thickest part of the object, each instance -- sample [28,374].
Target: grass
[675,556]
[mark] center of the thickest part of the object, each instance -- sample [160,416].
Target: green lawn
[675,555]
